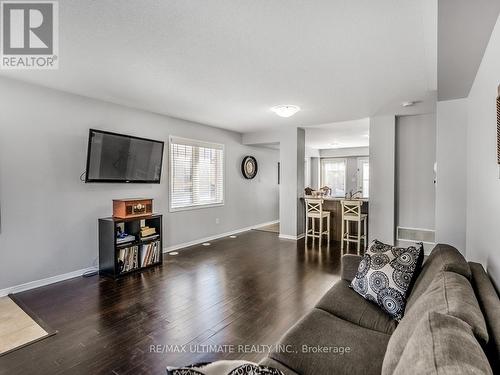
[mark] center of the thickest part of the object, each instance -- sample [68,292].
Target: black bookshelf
[111,252]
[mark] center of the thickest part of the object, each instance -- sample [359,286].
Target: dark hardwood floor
[247,290]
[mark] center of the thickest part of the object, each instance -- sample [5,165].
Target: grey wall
[382,184]
[451,186]
[315,173]
[292,154]
[301,144]
[483,182]
[307,172]
[415,158]
[49,217]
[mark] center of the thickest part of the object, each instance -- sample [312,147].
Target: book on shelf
[147,231]
[128,258]
[150,253]
[124,239]
[151,237]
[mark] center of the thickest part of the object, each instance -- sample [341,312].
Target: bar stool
[314,210]
[351,213]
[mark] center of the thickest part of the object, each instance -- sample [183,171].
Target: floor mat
[19,326]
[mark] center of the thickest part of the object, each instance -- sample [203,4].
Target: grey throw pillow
[386,273]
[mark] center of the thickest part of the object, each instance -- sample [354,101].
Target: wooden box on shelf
[141,250]
[125,208]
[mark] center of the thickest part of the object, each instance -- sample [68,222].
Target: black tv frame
[87,180]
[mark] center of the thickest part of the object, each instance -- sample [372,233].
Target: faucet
[352,195]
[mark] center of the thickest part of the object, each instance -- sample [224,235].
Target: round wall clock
[249,167]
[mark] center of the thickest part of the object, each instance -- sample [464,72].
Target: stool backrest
[314,205]
[351,207]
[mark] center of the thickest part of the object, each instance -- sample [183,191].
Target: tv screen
[121,158]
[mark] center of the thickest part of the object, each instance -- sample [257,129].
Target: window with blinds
[333,175]
[196,174]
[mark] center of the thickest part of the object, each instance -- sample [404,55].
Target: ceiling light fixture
[407,104]
[285,110]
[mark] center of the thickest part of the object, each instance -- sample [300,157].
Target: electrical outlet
[217,221]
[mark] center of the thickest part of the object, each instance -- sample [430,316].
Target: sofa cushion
[442,344]
[490,306]
[449,293]
[345,303]
[349,266]
[385,275]
[442,257]
[321,343]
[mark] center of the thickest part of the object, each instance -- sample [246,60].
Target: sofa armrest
[350,263]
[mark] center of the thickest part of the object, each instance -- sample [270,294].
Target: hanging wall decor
[249,167]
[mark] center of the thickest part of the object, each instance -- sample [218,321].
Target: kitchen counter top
[330,198]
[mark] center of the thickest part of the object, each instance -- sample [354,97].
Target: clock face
[249,167]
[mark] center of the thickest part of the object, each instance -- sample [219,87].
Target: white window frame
[172,140]
[361,161]
[322,174]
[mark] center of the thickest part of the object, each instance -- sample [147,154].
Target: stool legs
[342,239]
[307,228]
[320,229]
[328,227]
[359,236]
[314,228]
[365,234]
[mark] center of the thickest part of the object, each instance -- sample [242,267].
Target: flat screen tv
[113,157]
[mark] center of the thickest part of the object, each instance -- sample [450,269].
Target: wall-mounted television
[113,157]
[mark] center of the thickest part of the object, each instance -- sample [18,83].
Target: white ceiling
[226,62]
[339,135]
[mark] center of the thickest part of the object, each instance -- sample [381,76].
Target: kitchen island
[333,205]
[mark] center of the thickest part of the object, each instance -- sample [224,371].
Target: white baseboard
[215,237]
[77,273]
[43,282]
[295,238]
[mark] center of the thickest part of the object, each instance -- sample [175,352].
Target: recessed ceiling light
[407,104]
[206,243]
[285,110]
[232,236]
[173,253]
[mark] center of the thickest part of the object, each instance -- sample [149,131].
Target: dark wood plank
[243,291]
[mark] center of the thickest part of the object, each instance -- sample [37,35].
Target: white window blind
[196,174]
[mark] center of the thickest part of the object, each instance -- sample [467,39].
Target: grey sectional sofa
[451,326]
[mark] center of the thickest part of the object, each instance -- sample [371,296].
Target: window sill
[196,207]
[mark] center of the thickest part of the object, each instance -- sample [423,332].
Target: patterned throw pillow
[224,368]
[386,274]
